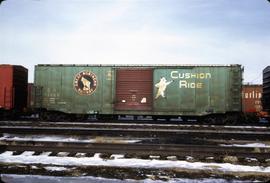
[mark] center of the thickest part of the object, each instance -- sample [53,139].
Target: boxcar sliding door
[134,89]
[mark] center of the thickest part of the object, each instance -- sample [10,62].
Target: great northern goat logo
[85,83]
[162,85]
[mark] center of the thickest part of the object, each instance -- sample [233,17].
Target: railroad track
[200,152]
[173,153]
[133,124]
[140,132]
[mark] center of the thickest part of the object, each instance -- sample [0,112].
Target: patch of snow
[97,156]
[34,167]
[248,127]
[189,158]
[7,153]
[80,155]
[251,159]
[62,154]
[45,153]
[42,138]
[172,158]
[132,141]
[117,156]
[55,168]
[28,153]
[247,145]
[136,163]
[154,157]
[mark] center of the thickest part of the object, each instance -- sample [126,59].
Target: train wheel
[167,118]
[43,116]
[210,120]
[231,119]
[154,118]
[251,118]
[213,120]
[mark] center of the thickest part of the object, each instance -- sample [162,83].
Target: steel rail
[139,132]
[137,149]
[133,124]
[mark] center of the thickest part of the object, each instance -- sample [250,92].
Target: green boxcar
[139,89]
[61,93]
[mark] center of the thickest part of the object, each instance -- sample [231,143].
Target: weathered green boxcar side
[140,90]
[62,90]
[198,90]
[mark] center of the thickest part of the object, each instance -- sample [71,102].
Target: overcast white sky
[136,32]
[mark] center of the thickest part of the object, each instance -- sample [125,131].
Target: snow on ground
[55,168]
[248,127]
[28,158]
[54,138]
[44,138]
[51,179]
[261,145]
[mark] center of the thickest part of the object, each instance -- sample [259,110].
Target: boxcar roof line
[137,65]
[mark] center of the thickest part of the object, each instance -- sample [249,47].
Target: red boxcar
[13,87]
[251,98]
